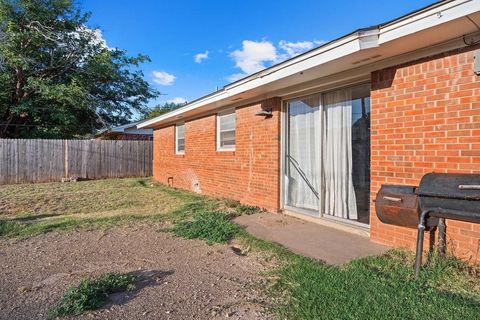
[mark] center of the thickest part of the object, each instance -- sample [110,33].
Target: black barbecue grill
[440,196]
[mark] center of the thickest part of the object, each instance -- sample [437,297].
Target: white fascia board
[334,50]
[296,60]
[321,57]
[428,19]
[220,95]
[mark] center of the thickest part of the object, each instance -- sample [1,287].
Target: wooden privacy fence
[39,160]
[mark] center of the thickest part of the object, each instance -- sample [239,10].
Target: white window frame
[176,138]
[220,115]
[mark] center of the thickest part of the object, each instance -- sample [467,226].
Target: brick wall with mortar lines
[249,174]
[426,117]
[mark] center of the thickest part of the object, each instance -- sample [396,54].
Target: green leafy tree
[161,109]
[58,78]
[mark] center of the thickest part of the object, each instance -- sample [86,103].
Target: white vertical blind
[226,131]
[180,138]
[339,193]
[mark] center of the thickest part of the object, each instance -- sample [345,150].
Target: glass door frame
[285,151]
[284,140]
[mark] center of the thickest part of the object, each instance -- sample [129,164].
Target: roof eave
[353,43]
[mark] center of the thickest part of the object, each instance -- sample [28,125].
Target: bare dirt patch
[178,279]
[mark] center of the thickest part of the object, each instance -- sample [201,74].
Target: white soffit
[433,25]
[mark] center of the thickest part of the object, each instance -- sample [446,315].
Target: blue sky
[196,46]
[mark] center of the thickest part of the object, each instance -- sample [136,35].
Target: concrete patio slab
[331,245]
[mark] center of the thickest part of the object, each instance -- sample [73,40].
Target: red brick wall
[249,174]
[426,117]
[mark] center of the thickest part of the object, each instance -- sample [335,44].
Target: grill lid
[450,186]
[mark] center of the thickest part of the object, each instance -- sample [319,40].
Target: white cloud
[254,55]
[257,55]
[177,100]
[292,49]
[163,78]
[199,57]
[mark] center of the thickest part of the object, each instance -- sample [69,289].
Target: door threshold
[332,222]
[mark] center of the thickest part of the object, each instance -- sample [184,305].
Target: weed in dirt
[230,203]
[247,210]
[238,208]
[10,228]
[214,227]
[91,294]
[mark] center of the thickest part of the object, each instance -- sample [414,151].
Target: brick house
[317,135]
[129,131]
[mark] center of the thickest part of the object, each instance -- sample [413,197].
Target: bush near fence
[42,160]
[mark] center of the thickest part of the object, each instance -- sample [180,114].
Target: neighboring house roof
[129,128]
[439,27]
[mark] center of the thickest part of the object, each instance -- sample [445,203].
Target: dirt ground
[178,279]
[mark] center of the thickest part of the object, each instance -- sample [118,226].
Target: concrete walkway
[331,245]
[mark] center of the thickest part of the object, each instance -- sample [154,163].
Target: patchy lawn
[32,209]
[114,227]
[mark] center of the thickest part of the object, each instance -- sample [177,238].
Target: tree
[161,109]
[58,78]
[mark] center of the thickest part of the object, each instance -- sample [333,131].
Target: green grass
[380,287]
[84,197]
[13,228]
[32,209]
[91,294]
[213,227]
[377,288]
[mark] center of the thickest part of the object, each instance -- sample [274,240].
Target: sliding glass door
[327,156]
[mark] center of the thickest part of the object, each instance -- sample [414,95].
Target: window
[180,138]
[226,131]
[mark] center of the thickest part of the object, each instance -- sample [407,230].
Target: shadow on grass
[144,278]
[13,228]
[140,183]
[32,218]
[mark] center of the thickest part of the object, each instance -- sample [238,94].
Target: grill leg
[442,234]
[420,235]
